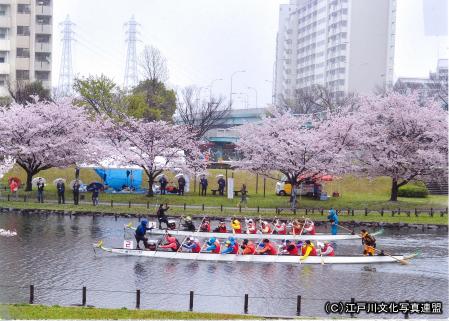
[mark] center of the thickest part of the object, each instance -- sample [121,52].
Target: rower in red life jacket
[221,227]
[266,228]
[289,248]
[309,228]
[268,248]
[296,227]
[192,244]
[327,249]
[170,243]
[231,246]
[280,228]
[248,247]
[205,226]
[307,250]
[213,245]
[251,227]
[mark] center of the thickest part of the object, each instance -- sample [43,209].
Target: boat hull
[257,258]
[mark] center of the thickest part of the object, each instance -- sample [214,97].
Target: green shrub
[417,189]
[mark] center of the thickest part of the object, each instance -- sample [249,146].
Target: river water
[55,254]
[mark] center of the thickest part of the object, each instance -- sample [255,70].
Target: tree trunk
[394,190]
[150,187]
[29,185]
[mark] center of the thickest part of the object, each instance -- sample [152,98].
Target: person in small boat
[333,218]
[171,243]
[221,227]
[251,227]
[213,245]
[327,249]
[369,243]
[307,250]
[280,228]
[248,247]
[205,225]
[309,228]
[231,246]
[192,245]
[236,226]
[296,227]
[266,228]
[188,224]
[140,234]
[267,249]
[161,217]
[289,248]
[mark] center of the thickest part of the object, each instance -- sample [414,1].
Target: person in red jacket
[171,243]
[248,247]
[221,227]
[205,226]
[251,227]
[266,228]
[268,248]
[193,245]
[289,248]
[309,228]
[308,250]
[280,228]
[327,249]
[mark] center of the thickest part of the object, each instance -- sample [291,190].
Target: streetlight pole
[210,87]
[230,94]
[255,90]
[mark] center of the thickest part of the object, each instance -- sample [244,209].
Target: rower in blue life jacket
[333,218]
[140,234]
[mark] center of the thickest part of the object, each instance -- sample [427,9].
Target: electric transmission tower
[131,77]
[65,71]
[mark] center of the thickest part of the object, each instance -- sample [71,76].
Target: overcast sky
[205,40]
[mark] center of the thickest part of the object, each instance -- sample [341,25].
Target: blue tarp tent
[117,178]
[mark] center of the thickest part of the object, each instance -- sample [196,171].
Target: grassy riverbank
[39,312]
[359,216]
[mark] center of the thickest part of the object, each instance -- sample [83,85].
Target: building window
[43,38]
[3,80]
[23,30]
[23,52]
[43,2]
[3,56]
[42,75]
[23,8]
[3,9]
[3,33]
[22,74]
[43,20]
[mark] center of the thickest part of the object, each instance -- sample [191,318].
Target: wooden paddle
[399,260]
[352,231]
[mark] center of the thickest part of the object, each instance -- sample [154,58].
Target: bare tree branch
[153,65]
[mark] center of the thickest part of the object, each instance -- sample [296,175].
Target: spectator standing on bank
[60,186]
[76,192]
[95,195]
[203,184]
[244,196]
[221,185]
[40,190]
[163,181]
[181,185]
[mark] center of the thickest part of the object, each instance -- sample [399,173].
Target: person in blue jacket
[213,245]
[333,218]
[140,234]
[231,246]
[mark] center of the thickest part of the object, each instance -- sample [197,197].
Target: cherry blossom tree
[299,147]
[155,146]
[395,136]
[42,135]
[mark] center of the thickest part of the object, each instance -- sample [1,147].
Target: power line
[65,70]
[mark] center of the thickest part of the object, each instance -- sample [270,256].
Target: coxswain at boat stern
[307,250]
[333,218]
[289,248]
[236,226]
[268,248]
[248,247]
[140,234]
[309,228]
[221,227]
[213,245]
[369,243]
[231,246]
[171,243]
[327,249]
[192,245]
[205,226]
[188,224]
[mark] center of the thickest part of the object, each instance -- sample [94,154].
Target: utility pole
[65,84]
[131,78]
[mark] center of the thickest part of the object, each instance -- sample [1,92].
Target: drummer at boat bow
[268,248]
[188,224]
[171,243]
[140,234]
[192,244]
[369,243]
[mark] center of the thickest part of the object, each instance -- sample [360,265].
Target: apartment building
[26,28]
[345,45]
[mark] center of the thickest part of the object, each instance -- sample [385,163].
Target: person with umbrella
[95,188]
[203,183]
[163,181]
[40,190]
[221,185]
[60,186]
[181,184]
[76,191]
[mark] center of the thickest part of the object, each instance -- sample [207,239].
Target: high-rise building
[344,45]
[26,28]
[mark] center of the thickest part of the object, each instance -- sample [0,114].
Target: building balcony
[23,42]
[42,65]
[5,68]
[43,47]
[5,45]
[44,29]
[5,22]
[23,19]
[22,63]
[44,10]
